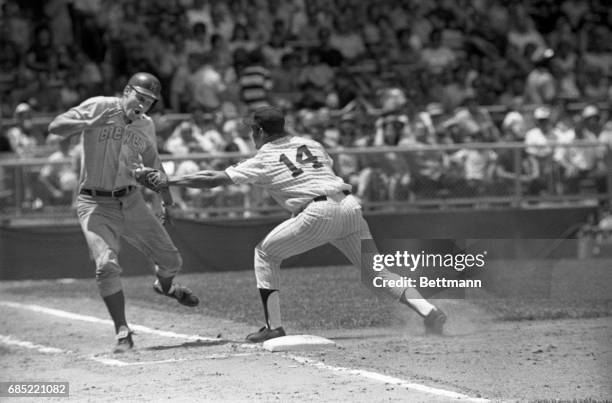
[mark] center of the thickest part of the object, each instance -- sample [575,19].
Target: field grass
[333,297]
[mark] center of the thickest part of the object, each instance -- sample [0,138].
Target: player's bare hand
[109,116]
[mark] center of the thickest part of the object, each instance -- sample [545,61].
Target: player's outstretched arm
[70,122]
[201,179]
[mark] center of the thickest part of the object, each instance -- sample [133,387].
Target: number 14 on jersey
[302,156]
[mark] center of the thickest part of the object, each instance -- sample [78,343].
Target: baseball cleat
[124,340]
[265,333]
[434,321]
[181,293]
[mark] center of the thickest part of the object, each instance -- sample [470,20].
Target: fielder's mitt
[151,178]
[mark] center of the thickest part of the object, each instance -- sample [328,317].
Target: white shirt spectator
[605,136]
[476,163]
[521,39]
[349,44]
[207,87]
[438,58]
[200,14]
[537,143]
[540,87]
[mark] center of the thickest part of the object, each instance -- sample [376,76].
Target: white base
[297,342]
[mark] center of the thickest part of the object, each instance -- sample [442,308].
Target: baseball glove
[151,178]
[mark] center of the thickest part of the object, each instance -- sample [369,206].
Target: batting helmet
[146,84]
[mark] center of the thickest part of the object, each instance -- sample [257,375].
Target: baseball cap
[22,107]
[541,112]
[589,111]
[512,118]
[270,119]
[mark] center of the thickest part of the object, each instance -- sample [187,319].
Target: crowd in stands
[349,73]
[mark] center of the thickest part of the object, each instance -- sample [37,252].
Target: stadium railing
[385,179]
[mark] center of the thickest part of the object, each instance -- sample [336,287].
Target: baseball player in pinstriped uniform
[298,174]
[118,137]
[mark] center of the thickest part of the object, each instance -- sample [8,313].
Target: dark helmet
[146,84]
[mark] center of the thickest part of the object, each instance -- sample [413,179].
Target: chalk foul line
[143,329]
[92,319]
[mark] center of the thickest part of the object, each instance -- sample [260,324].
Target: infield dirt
[479,356]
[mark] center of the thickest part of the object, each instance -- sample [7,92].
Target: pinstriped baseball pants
[337,220]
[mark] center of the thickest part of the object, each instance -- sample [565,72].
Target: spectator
[88,34]
[508,174]
[60,180]
[605,137]
[199,13]
[406,50]
[22,137]
[213,140]
[311,97]
[41,56]
[540,86]
[221,54]
[575,11]
[595,85]
[17,26]
[10,60]
[255,82]
[347,165]
[285,78]
[598,52]
[538,138]
[477,166]
[522,32]
[393,167]
[241,39]
[168,53]
[89,74]
[197,83]
[280,31]
[24,141]
[428,167]
[222,23]
[185,139]
[199,41]
[346,40]
[480,117]
[436,56]
[59,22]
[564,68]
[275,49]
[239,138]
[582,162]
[514,126]
[327,53]
[317,73]
[539,141]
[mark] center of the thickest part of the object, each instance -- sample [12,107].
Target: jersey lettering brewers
[112,151]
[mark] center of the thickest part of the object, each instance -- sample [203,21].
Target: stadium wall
[35,251]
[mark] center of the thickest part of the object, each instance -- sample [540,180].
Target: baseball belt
[108,193]
[323,198]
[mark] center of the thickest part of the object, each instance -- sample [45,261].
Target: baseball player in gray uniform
[118,138]
[298,174]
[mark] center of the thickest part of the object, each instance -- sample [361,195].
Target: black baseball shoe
[434,321]
[181,293]
[124,340]
[265,333]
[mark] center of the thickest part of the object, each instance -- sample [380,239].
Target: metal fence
[384,178]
